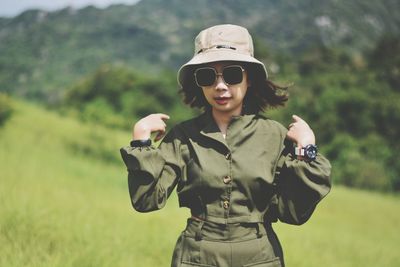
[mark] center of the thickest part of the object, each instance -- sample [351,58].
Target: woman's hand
[147,125]
[300,132]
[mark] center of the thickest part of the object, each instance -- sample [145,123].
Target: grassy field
[64,202]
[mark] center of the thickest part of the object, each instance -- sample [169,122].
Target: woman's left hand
[300,132]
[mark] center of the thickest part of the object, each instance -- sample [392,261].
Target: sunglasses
[207,76]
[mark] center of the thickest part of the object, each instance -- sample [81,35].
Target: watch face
[311,151]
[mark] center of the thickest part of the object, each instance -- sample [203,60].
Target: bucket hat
[224,42]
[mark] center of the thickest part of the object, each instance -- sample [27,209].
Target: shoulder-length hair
[261,94]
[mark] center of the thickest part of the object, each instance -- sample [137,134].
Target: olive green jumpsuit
[231,186]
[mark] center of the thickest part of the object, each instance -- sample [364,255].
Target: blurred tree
[6,108]
[385,60]
[353,111]
[117,96]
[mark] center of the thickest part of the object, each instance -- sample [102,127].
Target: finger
[160,127]
[159,135]
[296,118]
[290,136]
[163,116]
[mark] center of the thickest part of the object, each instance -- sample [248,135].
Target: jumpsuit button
[226,204]
[228,156]
[227,179]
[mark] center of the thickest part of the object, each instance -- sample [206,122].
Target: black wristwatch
[141,143]
[309,152]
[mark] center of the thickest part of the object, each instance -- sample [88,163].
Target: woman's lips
[222,100]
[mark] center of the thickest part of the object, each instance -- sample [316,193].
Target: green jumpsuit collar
[210,129]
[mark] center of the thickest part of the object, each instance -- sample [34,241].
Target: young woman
[236,170]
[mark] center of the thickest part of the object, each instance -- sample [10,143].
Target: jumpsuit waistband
[206,230]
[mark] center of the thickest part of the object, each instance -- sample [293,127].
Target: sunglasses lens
[205,76]
[233,74]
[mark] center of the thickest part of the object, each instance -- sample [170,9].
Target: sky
[11,8]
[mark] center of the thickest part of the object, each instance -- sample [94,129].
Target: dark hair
[262,93]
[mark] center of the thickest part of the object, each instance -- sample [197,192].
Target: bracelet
[141,143]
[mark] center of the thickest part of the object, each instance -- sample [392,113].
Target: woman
[236,170]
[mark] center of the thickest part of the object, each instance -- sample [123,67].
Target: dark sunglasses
[207,76]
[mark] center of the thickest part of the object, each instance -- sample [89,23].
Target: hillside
[42,53]
[64,202]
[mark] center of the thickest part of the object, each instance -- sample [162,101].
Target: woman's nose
[220,83]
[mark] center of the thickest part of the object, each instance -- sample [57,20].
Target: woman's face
[223,97]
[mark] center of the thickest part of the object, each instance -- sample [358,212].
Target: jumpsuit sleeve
[153,172]
[300,185]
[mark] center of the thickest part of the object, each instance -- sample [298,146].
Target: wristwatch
[309,152]
[141,143]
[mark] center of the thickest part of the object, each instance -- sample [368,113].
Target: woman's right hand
[153,123]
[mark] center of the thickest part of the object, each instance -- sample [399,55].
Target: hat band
[216,46]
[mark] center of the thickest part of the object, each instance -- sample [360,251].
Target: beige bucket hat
[225,42]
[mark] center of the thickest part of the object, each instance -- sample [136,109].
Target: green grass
[64,202]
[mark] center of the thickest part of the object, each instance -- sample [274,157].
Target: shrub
[6,108]
[361,163]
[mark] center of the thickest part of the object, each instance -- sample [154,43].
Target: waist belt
[206,230]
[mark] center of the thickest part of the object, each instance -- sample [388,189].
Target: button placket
[225,204]
[227,180]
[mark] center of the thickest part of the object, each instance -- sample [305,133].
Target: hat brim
[210,56]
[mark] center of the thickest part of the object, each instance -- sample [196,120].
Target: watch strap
[299,151]
[140,143]
[309,152]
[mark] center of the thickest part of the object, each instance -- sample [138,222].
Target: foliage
[43,52]
[385,60]
[352,109]
[113,66]
[6,108]
[62,207]
[354,112]
[117,96]
[64,201]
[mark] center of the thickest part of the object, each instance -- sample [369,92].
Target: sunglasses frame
[218,74]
